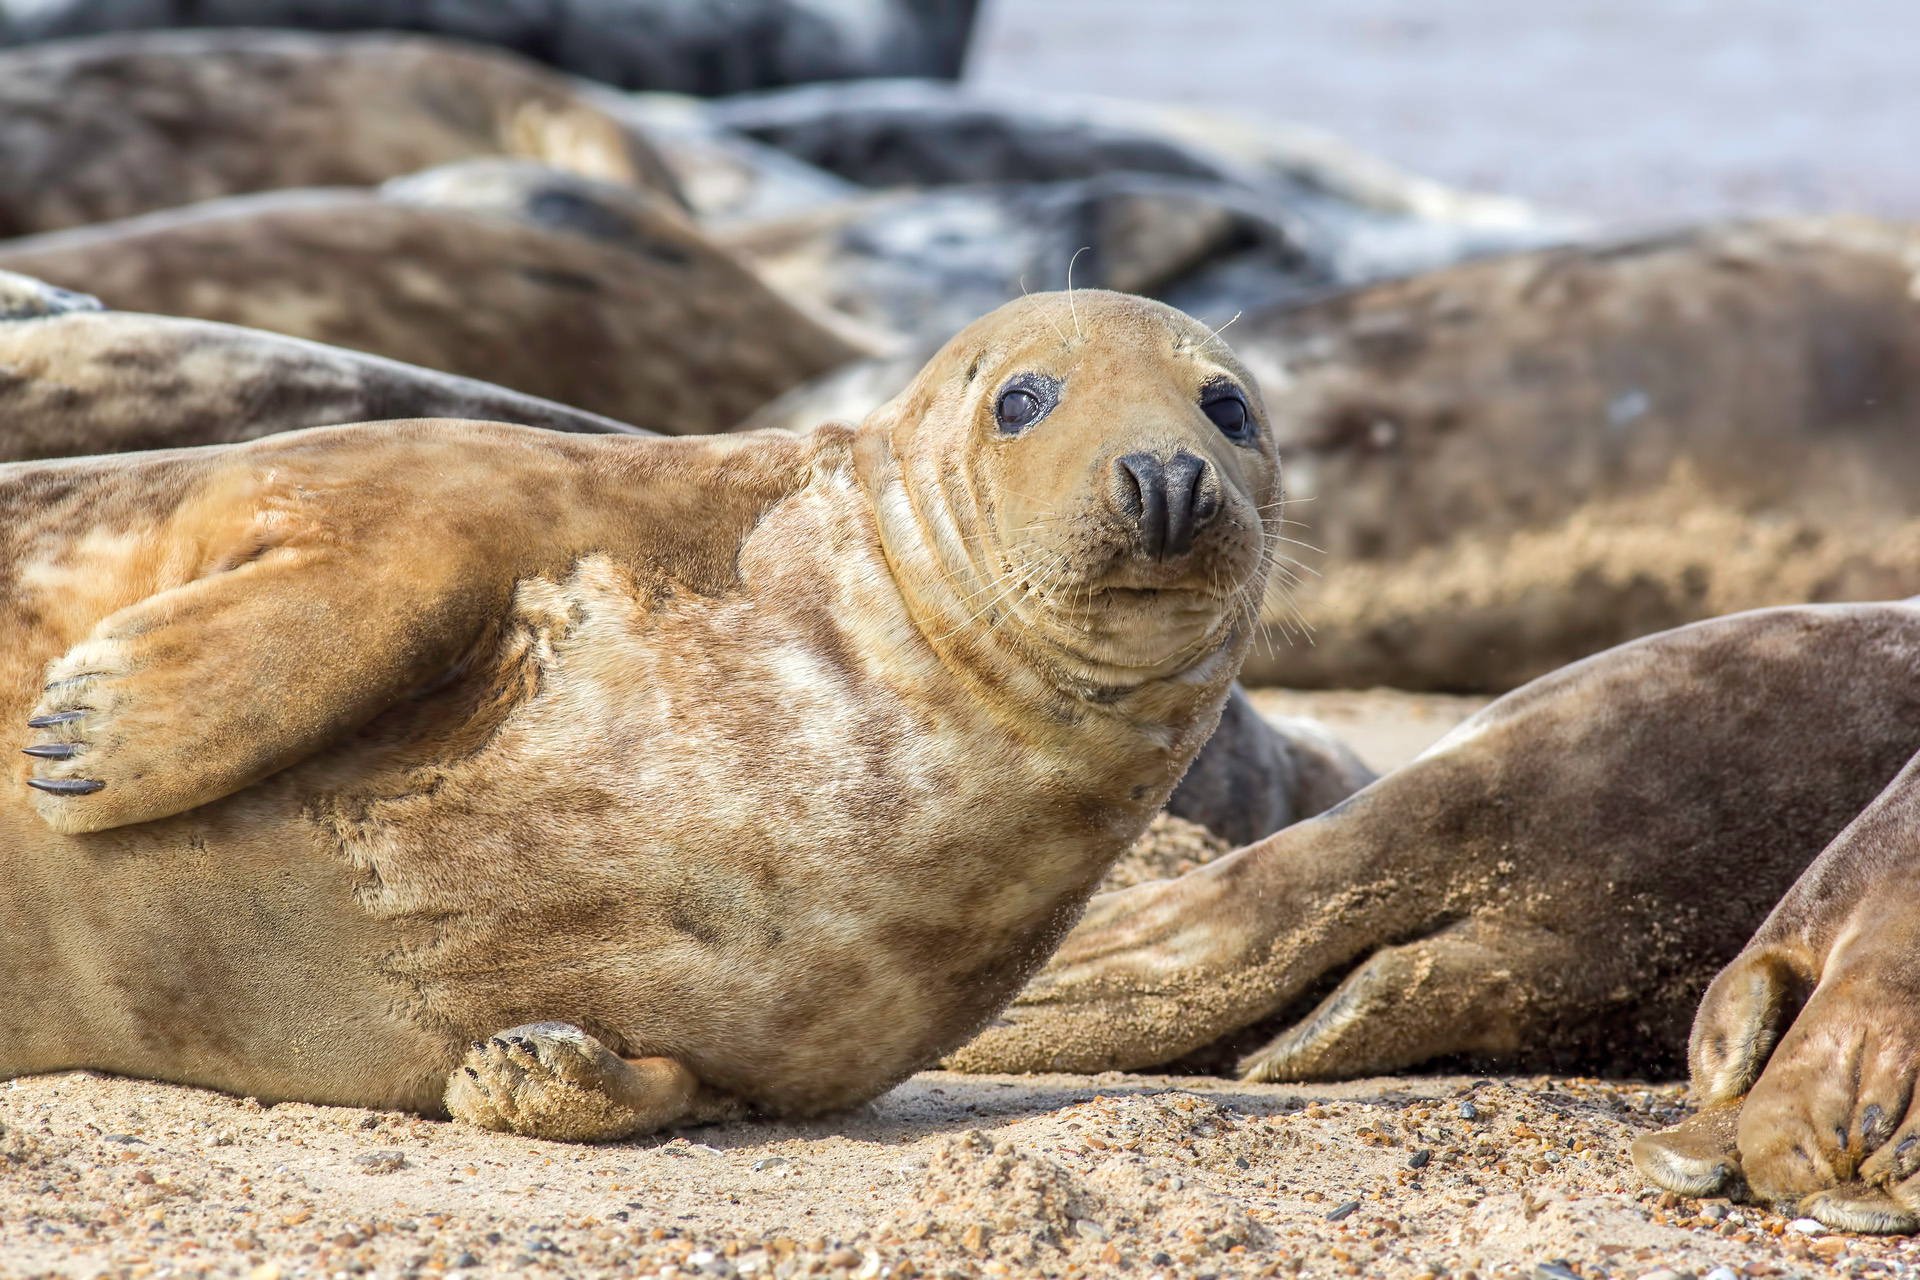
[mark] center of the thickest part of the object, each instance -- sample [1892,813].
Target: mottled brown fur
[780,761]
[106,128]
[662,330]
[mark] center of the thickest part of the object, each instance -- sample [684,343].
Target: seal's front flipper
[1698,1157]
[199,690]
[552,1080]
[1475,988]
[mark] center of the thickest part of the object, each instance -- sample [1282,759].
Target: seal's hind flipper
[552,1080]
[1477,987]
[1698,1157]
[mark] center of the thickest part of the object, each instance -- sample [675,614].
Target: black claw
[53,751]
[79,679]
[478,1046]
[66,786]
[498,1043]
[58,717]
[473,1073]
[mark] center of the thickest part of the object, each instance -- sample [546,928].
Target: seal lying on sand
[772,764]
[1547,885]
[85,381]
[1528,460]
[94,130]
[580,292]
[1807,1047]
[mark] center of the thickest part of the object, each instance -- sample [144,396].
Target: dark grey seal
[690,46]
[80,380]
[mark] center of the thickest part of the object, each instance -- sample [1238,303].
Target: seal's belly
[718,831]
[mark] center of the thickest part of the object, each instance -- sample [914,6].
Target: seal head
[1074,488]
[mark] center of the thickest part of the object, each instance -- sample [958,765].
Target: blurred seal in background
[688,46]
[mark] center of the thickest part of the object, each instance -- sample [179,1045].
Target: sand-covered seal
[550,284]
[770,766]
[1552,884]
[95,130]
[80,380]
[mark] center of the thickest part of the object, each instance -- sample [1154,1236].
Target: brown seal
[580,292]
[107,128]
[769,765]
[1806,1051]
[1516,463]
[1547,886]
[84,381]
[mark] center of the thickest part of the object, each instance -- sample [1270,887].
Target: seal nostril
[1132,491]
[1143,497]
[1191,502]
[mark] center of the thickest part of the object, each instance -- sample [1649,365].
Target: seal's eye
[1223,403]
[1025,400]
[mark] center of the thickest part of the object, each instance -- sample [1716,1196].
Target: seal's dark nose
[1168,502]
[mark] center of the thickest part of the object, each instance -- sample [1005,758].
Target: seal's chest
[752,744]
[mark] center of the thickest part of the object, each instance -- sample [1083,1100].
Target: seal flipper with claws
[555,1081]
[297,597]
[1810,1041]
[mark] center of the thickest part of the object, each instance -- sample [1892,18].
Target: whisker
[1049,319]
[1214,335]
[1070,307]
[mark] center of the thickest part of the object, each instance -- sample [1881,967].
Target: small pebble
[467,1259]
[380,1162]
[1420,1159]
[1088,1229]
[1722,1273]
[1808,1226]
[1469,1112]
[1667,1273]
[771,1162]
[1344,1211]
[1240,1162]
[1558,1269]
